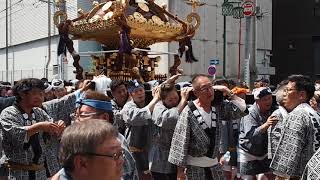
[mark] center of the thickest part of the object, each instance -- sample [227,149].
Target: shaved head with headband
[94,105]
[137,92]
[133,85]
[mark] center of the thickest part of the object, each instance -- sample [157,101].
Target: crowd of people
[200,130]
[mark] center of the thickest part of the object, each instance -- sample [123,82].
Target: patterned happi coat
[129,166]
[189,138]
[300,139]
[252,141]
[60,109]
[117,117]
[138,121]
[312,169]
[14,133]
[6,102]
[164,122]
[130,171]
[274,132]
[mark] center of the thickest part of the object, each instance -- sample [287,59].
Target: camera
[192,97]
[218,97]
[92,86]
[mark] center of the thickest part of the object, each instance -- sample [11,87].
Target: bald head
[197,79]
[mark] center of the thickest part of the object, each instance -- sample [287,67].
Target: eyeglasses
[205,88]
[84,115]
[115,156]
[288,89]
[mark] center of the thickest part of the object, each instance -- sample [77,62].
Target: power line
[70,8]
[11,13]
[23,24]
[22,8]
[11,6]
[21,27]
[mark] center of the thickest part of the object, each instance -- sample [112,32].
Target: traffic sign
[248,8]
[214,61]
[212,70]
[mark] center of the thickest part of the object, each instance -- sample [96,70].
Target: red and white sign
[212,70]
[248,8]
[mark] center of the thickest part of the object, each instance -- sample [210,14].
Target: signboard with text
[248,8]
[214,61]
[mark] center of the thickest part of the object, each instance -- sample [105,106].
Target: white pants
[258,176]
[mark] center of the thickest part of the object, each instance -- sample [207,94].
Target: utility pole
[7,43]
[12,47]
[49,38]
[247,48]
[224,44]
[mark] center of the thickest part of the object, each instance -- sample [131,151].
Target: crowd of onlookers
[201,130]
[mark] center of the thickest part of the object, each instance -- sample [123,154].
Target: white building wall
[28,39]
[208,41]
[163,65]
[30,60]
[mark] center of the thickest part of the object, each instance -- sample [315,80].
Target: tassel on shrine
[65,43]
[125,46]
[189,53]
[185,45]
[63,33]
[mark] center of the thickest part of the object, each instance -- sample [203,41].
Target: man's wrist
[156,100]
[36,127]
[230,94]
[184,101]
[264,127]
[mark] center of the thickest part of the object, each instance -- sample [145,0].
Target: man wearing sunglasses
[90,150]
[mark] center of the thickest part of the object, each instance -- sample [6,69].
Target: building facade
[28,41]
